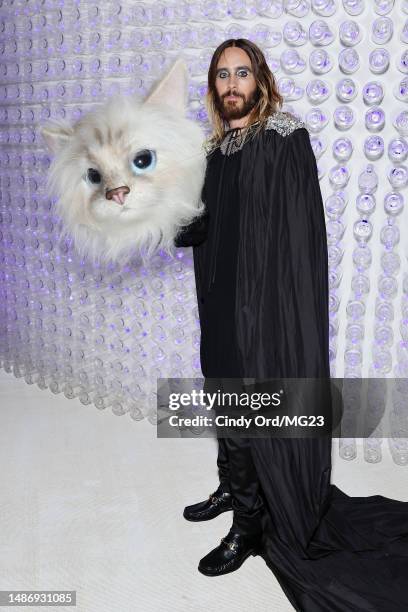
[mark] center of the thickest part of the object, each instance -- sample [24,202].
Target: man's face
[235,84]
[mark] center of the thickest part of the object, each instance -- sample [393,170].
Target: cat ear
[56,135]
[172,89]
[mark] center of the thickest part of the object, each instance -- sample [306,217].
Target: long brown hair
[269,98]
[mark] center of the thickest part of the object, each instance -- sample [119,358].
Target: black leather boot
[234,549]
[217,502]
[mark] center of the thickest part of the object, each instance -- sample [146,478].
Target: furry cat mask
[129,175]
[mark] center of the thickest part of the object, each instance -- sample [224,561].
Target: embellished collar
[235,138]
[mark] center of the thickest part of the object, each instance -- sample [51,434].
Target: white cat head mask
[128,175]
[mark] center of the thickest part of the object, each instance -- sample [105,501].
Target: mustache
[232,93]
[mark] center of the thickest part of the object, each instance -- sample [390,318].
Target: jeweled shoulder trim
[284,123]
[209,148]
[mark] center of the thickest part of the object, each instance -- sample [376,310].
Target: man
[235,94]
[261,269]
[238,74]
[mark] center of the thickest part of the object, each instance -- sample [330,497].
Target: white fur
[159,202]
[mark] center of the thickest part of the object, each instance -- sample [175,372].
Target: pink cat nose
[117,194]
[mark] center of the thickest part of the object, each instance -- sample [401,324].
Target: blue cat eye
[144,161]
[93,176]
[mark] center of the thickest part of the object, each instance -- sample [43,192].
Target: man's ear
[172,89]
[56,134]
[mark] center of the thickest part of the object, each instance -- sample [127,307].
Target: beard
[236,110]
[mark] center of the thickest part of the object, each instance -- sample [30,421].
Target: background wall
[104,335]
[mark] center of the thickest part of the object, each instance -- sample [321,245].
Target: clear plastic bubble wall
[105,334]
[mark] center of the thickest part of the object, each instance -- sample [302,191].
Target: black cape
[330,552]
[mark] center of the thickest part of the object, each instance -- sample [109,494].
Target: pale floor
[93,502]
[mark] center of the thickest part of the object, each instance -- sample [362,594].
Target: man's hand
[194,233]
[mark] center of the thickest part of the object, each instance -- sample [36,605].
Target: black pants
[237,474]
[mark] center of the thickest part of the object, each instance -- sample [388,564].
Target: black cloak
[330,552]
